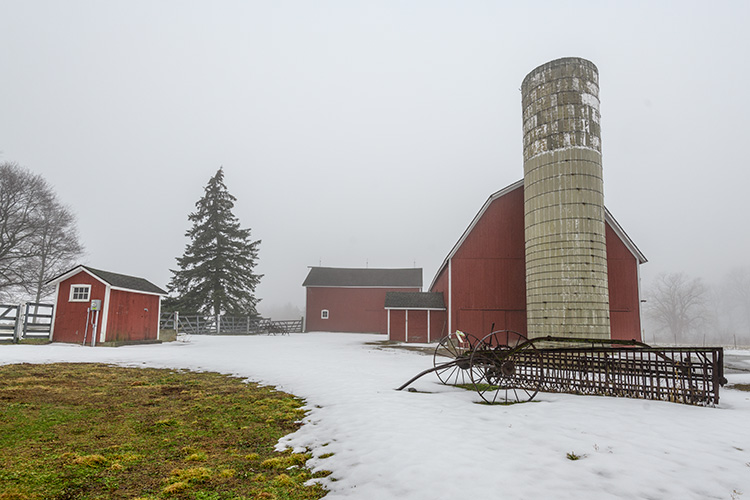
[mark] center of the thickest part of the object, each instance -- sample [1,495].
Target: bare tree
[56,244]
[37,234]
[20,195]
[677,303]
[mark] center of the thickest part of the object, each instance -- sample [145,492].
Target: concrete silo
[566,260]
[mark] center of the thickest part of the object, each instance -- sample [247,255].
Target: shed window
[324,314]
[80,293]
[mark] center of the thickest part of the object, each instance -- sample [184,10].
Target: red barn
[483,279]
[129,307]
[351,300]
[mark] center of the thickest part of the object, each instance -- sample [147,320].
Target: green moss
[86,431]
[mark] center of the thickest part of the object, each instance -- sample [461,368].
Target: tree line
[680,309]
[38,235]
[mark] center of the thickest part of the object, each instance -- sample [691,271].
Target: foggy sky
[368,133]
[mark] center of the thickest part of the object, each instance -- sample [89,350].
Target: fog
[361,134]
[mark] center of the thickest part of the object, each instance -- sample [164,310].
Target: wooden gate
[8,321]
[37,320]
[31,320]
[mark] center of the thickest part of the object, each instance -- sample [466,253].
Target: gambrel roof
[363,278]
[640,258]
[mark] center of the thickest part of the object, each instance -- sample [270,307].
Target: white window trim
[324,314]
[88,293]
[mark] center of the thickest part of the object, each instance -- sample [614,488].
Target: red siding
[624,301]
[417,325]
[70,317]
[358,310]
[132,316]
[441,285]
[398,326]
[488,276]
[438,325]
[489,271]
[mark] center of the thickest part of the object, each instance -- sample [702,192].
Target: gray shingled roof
[347,277]
[125,281]
[414,300]
[117,280]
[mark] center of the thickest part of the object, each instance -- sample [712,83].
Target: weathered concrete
[566,259]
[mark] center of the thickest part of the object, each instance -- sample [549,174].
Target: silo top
[532,79]
[560,101]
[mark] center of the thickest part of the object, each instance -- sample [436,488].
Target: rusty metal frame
[686,375]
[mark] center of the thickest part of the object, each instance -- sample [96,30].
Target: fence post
[18,327]
[176,320]
[26,307]
[218,324]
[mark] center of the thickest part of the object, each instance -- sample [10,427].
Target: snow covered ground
[439,444]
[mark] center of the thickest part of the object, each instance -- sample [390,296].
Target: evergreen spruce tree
[215,273]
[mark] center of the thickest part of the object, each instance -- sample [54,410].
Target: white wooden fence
[25,321]
[227,325]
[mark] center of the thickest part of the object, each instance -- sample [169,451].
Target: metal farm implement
[506,367]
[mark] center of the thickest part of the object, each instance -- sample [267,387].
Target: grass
[478,387]
[92,431]
[39,341]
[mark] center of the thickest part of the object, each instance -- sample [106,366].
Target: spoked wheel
[505,369]
[457,347]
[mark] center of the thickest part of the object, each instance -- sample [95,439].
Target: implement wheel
[457,347]
[506,369]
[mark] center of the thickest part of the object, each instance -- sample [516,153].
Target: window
[79,293]
[324,314]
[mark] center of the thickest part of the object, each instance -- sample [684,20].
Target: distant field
[85,431]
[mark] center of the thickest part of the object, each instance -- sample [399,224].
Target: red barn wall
[132,316]
[488,276]
[70,317]
[417,325]
[438,325]
[441,285]
[398,326]
[358,310]
[624,299]
[488,271]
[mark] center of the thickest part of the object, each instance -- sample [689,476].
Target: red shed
[351,300]
[129,307]
[483,279]
[415,316]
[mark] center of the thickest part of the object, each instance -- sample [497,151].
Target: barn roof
[363,278]
[519,184]
[116,280]
[414,300]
